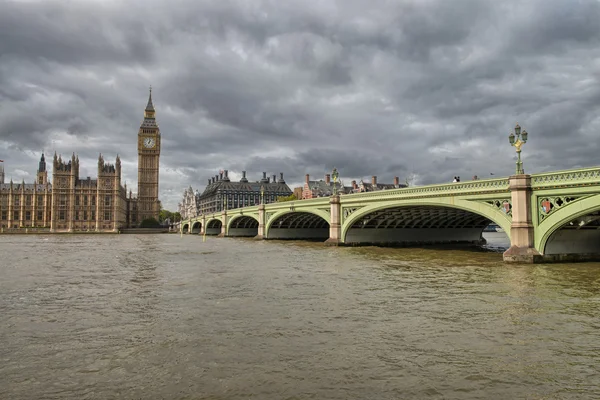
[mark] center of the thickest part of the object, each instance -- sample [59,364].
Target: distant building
[320,188]
[324,187]
[71,204]
[374,185]
[298,192]
[188,208]
[222,193]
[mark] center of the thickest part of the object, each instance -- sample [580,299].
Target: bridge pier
[223,224]
[203,225]
[261,222]
[335,225]
[522,244]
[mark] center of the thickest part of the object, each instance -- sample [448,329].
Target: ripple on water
[163,316]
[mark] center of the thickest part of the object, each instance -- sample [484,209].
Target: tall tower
[42,174]
[148,164]
[1,171]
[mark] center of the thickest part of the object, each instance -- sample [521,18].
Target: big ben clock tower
[148,165]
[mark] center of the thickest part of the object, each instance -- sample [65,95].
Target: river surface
[170,317]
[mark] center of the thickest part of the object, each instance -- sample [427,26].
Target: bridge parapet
[566,178]
[461,188]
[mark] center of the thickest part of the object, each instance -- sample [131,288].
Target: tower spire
[150,106]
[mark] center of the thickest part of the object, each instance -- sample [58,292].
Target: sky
[419,89]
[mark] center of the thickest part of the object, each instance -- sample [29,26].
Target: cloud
[424,87]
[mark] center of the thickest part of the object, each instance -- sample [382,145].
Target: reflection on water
[159,316]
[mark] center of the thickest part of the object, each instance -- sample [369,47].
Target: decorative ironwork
[548,205]
[346,212]
[504,205]
[566,178]
[268,216]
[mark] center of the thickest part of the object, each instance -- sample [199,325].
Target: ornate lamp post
[517,140]
[335,175]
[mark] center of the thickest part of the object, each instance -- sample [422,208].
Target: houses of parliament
[71,203]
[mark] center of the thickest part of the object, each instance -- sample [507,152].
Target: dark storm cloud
[423,87]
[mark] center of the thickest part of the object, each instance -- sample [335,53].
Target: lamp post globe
[517,140]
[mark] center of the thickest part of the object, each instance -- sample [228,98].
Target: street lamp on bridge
[518,139]
[335,175]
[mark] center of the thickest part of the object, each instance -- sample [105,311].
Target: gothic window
[28,200]
[40,215]
[15,215]
[93,215]
[76,215]
[85,215]
[41,180]
[93,201]
[63,199]
[40,200]
[107,200]
[107,215]
[61,215]
[28,215]
[17,200]
[77,200]
[4,215]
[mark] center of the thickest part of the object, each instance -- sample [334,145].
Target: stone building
[26,204]
[188,208]
[222,193]
[324,187]
[146,205]
[75,204]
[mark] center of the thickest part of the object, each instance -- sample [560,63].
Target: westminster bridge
[547,217]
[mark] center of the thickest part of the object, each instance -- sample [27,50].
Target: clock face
[149,143]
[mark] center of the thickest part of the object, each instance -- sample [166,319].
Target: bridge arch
[196,226]
[185,228]
[242,225]
[213,226]
[551,238]
[305,224]
[429,221]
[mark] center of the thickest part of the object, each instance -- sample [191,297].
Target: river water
[170,317]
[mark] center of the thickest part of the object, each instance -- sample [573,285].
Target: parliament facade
[71,203]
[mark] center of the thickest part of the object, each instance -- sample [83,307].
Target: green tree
[291,197]
[150,223]
[164,215]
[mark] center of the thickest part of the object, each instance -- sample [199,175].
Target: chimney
[306,178]
[354,185]
[327,179]
[209,181]
[396,181]
[264,175]
[244,174]
[281,180]
[221,175]
[374,181]
[274,178]
[226,173]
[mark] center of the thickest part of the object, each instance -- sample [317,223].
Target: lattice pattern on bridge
[299,220]
[421,217]
[244,222]
[582,177]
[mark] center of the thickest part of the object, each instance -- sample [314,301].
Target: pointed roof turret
[150,106]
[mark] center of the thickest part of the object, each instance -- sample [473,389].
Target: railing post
[223,224]
[522,247]
[335,226]
[261,222]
